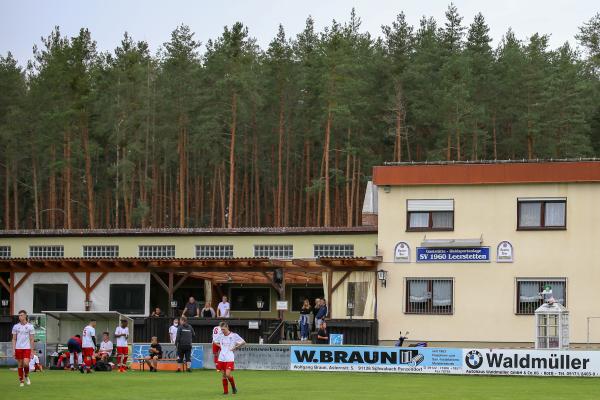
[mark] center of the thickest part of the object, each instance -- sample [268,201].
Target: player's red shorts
[223,365]
[87,352]
[123,350]
[216,348]
[21,354]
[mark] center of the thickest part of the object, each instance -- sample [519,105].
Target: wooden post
[329,291]
[170,292]
[12,292]
[87,290]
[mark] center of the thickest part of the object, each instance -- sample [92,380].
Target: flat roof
[487,172]
[262,231]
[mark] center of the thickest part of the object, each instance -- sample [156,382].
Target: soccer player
[23,335]
[215,347]
[106,347]
[34,364]
[228,342]
[74,346]
[122,333]
[88,345]
[173,330]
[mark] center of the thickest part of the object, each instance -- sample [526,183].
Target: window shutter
[431,205]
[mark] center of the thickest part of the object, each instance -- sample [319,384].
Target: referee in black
[183,343]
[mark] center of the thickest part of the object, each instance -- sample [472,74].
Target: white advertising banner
[531,362]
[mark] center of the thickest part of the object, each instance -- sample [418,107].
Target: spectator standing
[183,343]
[191,309]
[315,311]
[323,334]
[224,308]
[157,313]
[208,311]
[173,330]
[154,354]
[304,316]
[321,314]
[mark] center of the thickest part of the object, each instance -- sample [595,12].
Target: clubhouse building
[455,253]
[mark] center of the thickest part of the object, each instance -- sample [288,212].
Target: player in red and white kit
[88,345]
[228,342]
[215,347]
[122,333]
[23,335]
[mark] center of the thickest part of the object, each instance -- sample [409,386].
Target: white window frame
[333,250]
[214,251]
[47,251]
[156,250]
[100,251]
[280,251]
[5,251]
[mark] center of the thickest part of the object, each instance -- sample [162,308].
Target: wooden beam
[76,279]
[5,284]
[22,280]
[160,281]
[170,293]
[12,292]
[97,281]
[180,281]
[346,275]
[329,291]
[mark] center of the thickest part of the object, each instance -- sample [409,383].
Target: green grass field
[288,385]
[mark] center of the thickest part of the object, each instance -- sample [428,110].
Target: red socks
[225,386]
[21,376]
[26,370]
[232,382]
[124,361]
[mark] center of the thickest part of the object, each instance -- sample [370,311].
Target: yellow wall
[243,246]
[485,293]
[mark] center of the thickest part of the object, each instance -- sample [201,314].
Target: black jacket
[185,334]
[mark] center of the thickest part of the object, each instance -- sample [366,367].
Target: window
[430,215]
[101,251]
[284,251]
[128,298]
[244,299]
[4,251]
[214,251]
[529,296]
[429,296]
[301,293]
[157,251]
[50,297]
[333,250]
[46,251]
[357,297]
[549,213]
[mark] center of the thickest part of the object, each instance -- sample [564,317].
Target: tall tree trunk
[278,205]
[326,207]
[6,196]
[232,160]
[307,162]
[52,188]
[67,179]
[348,180]
[494,139]
[88,176]
[36,205]
[286,199]
[15,195]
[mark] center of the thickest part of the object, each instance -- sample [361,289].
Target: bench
[168,364]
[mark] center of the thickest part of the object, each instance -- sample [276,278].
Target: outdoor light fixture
[387,188]
[173,303]
[351,308]
[260,304]
[5,303]
[88,305]
[382,276]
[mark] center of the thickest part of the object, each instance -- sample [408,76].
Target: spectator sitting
[173,330]
[323,334]
[157,313]
[106,348]
[191,309]
[208,311]
[154,354]
[224,308]
[401,339]
[35,365]
[322,313]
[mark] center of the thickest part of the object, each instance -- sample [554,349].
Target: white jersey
[86,338]
[106,347]
[122,340]
[34,360]
[227,343]
[173,332]
[216,333]
[24,333]
[224,309]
